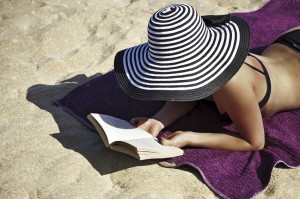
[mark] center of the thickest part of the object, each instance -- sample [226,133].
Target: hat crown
[173,29]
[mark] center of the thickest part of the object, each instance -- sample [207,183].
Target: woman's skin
[239,98]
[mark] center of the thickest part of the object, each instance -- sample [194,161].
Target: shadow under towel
[230,174]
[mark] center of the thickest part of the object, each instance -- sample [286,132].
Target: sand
[47,48]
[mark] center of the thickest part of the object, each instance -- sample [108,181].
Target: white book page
[117,129]
[146,149]
[152,146]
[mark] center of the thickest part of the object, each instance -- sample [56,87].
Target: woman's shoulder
[241,84]
[243,78]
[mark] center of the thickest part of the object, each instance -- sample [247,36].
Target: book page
[118,130]
[146,149]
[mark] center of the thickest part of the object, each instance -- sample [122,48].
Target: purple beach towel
[229,174]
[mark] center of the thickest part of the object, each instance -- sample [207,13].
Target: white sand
[45,153]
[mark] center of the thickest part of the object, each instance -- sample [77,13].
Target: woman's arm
[238,99]
[225,141]
[171,111]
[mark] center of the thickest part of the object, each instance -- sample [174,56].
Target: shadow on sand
[74,135]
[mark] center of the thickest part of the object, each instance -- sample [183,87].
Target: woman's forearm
[171,111]
[225,141]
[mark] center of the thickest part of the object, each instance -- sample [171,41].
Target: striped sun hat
[187,57]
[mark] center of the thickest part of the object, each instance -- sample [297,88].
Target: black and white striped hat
[187,57]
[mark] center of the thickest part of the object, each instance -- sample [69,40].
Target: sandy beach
[47,48]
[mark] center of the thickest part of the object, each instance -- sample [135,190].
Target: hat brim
[186,94]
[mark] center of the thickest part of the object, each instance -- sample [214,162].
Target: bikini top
[265,99]
[225,117]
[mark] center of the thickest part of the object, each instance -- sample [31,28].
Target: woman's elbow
[257,145]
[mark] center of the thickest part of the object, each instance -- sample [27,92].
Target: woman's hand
[177,139]
[150,125]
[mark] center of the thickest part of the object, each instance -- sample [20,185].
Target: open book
[120,135]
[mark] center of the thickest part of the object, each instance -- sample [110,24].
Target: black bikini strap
[268,81]
[265,72]
[254,68]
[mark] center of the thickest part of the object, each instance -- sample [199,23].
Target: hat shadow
[75,136]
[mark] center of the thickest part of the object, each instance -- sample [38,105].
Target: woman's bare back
[283,65]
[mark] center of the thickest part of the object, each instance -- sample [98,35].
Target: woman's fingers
[174,139]
[154,130]
[173,134]
[150,125]
[166,142]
